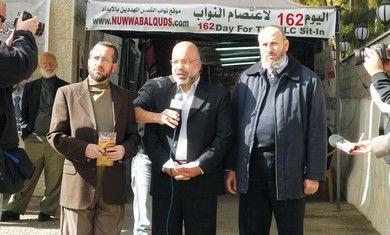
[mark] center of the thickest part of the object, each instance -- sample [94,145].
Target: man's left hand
[115,153]
[310,186]
[373,63]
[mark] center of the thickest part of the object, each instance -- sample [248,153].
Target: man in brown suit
[93,196]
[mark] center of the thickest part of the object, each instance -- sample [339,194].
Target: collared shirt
[265,130]
[181,150]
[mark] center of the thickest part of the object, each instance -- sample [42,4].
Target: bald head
[186,47]
[272,29]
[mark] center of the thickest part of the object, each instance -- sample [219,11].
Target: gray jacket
[300,144]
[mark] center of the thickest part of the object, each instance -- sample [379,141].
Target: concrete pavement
[321,218]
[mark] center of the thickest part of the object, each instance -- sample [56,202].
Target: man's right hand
[231,182]
[169,117]
[93,151]
[28,25]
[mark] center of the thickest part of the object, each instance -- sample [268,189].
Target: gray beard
[273,65]
[189,79]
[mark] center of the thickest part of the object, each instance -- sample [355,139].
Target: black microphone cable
[172,186]
[171,149]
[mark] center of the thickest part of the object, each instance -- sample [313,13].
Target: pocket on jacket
[68,169]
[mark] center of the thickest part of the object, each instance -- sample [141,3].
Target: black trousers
[256,207]
[199,214]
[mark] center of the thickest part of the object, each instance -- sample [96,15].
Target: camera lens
[25,16]
[40,29]
[359,56]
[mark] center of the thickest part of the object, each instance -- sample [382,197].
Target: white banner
[206,18]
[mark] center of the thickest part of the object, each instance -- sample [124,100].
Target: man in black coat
[37,107]
[279,149]
[18,60]
[187,162]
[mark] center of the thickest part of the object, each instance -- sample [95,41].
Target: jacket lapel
[84,100]
[117,102]
[200,96]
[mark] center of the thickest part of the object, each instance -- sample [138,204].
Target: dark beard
[100,78]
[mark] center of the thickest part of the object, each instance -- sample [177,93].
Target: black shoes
[10,216]
[42,217]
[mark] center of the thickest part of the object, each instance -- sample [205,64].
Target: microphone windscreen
[334,139]
[179,96]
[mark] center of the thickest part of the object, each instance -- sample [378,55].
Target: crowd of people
[265,141]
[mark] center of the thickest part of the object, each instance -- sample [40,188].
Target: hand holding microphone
[362,147]
[351,148]
[171,116]
[339,142]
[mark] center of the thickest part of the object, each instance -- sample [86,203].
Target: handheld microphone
[177,103]
[339,142]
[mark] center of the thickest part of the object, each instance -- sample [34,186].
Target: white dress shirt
[181,150]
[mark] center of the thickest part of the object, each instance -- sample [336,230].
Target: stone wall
[365,180]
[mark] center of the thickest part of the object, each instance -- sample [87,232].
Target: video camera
[25,16]
[381,48]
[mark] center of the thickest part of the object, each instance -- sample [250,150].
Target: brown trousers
[98,218]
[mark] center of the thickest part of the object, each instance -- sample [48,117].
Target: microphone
[339,142]
[177,103]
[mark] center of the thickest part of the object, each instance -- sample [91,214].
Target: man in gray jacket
[279,152]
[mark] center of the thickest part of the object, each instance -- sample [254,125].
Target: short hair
[109,45]
[278,28]
[47,54]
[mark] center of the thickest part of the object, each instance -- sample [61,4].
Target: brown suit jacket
[73,127]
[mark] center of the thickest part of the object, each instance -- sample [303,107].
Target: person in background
[36,113]
[279,152]
[93,188]
[187,162]
[380,91]
[141,170]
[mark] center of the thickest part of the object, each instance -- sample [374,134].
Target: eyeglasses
[185,62]
[2,18]
[104,60]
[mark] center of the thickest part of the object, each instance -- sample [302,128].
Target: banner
[39,8]
[207,18]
